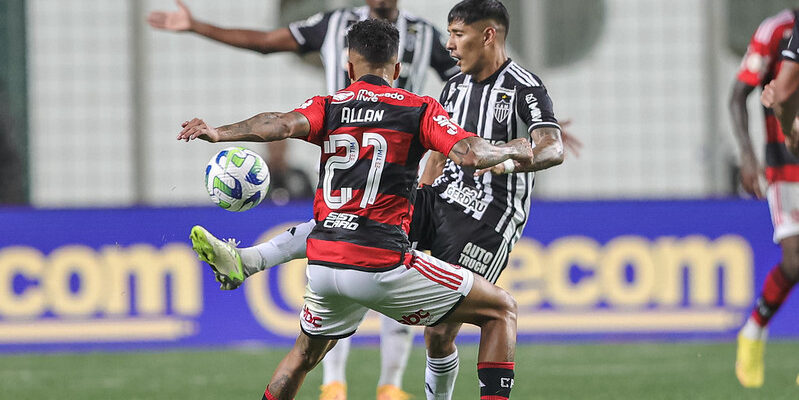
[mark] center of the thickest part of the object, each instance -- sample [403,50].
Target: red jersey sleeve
[763,50]
[438,131]
[314,110]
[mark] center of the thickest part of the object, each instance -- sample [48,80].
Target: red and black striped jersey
[759,66]
[372,138]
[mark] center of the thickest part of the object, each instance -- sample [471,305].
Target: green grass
[549,371]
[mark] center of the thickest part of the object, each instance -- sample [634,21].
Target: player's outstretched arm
[476,152]
[264,127]
[264,42]
[548,152]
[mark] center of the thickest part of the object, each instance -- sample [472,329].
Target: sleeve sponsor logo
[445,122]
[343,97]
[755,63]
[306,104]
[532,104]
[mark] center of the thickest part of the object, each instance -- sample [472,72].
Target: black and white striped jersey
[420,43]
[507,105]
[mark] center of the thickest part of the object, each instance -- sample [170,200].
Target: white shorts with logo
[783,202]
[422,293]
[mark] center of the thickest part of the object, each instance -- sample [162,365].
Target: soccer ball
[237,179]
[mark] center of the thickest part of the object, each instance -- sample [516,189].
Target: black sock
[496,380]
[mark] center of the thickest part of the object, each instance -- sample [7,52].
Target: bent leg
[290,373]
[287,246]
[494,311]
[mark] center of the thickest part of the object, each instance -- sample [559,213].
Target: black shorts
[455,237]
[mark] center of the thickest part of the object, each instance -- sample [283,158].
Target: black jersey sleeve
[440,60]
[534,107]
[310,33]
[792,51]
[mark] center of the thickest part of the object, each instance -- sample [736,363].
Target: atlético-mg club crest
[502,107]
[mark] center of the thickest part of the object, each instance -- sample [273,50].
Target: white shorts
[783,202]
[422,293]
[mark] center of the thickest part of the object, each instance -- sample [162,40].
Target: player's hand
[768,97]
[498,169]
[570,142]
[523,150]
[792,139]
[176,21]
[198,129]
[751,172]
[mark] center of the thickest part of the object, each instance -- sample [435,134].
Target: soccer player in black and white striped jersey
[421,47]
[500,101]
[421,44]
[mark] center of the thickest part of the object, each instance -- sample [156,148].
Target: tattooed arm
[476,152]
[264,127]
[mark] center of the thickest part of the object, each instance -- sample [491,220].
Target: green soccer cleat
[223,257]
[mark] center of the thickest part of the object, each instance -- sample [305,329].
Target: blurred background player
[759,67]
[420,47]
[367,262]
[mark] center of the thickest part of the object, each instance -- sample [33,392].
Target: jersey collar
[496,73]
[374,80]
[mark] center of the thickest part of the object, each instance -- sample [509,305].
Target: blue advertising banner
[125,278]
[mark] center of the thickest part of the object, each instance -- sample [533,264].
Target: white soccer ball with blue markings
[237,179]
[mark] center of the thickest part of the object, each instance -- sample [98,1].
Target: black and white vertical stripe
[489,109]
[416,44]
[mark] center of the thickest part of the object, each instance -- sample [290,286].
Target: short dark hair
[471,11]
[375,39]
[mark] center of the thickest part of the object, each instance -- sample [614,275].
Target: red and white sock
[775,290]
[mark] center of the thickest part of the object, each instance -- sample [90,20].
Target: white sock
[751,330]
[440,375]
[396,340]
[284,247]
[334,365]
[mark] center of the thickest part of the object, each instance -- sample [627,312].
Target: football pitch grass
[647,370]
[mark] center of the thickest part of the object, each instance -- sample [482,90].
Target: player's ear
[351,71]
[489,35]
[397,68]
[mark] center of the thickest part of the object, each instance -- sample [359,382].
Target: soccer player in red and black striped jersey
[373,137]
[760,66]
[421,49]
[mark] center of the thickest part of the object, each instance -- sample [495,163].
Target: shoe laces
[233,242]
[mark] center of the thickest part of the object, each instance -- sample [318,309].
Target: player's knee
[436,338]
[439,341]
[310,359]
[508,308]
[309,352]
[790,268]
